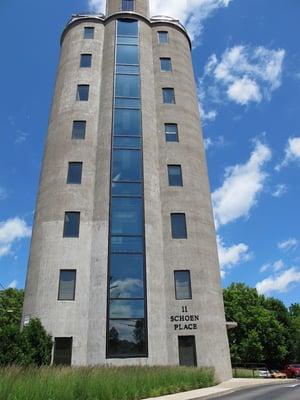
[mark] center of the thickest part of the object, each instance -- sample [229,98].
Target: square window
[187,351]
[89,32]
[62,354]
[74,173]
[183,290]
[175,175]
[82,92]
[71,224]
[168,95]
[165,64]
[163,37]
[85,61]
[79,128]
[67,283]
[127,5]
[171,132]
[178,225]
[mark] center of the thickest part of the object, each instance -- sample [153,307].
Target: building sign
[184,321]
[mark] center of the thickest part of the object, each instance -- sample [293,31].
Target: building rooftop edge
[155,19]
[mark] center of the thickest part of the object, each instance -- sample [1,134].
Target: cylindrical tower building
[123,267]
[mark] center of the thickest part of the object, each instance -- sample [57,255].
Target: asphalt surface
[288,391]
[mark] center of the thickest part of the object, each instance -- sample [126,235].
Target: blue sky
[247,64]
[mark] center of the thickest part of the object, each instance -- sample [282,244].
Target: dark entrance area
[62,351]
[187,351]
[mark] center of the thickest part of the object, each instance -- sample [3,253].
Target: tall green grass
[101,383]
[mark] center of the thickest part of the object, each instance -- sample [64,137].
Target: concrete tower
[123,266]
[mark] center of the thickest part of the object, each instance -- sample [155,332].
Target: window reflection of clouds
[127,309]
[126,288]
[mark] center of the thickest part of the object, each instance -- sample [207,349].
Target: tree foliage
[264,333]
[29,346]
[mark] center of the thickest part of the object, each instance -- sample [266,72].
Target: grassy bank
[99,383]
[245,373]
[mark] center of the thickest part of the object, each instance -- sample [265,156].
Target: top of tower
[138,6]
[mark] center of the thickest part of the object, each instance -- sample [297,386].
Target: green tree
[260,336]
[32,345]
[294,313]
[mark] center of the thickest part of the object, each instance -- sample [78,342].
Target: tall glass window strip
[127,5]
[127,323]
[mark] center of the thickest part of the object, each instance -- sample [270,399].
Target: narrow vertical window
[85,61]
[175,175]
[82,92]
[127,5]
[78,130]
[168,95]
[163,37]
[74,173]
[183,290]
[62,354]
[187,351]
[71,224]
[88,32]
[171,132]
[178,226]
[67,284]
[165,64]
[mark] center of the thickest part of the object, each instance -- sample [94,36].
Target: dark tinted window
[127,276]
[127,27]
[165,64]
[67,283]
[89,32]
[127,165]
[128,86]
[183,289]
[127,54]
[178,225]
[74,172]
[187,351]
[127,337]
[127,122]
[163,37]
[169,96]
[82,92]
[71,224]
[85,60]
[62,351]
[127,5]
[126,216]
[175,175]
[171,131]
[79,128]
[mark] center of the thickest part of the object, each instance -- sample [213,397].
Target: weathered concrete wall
[115,6]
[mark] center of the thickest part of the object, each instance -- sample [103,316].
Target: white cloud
[11,231]
[12,285]
[245,74]
[231,256]
[292,152]
[206,115]
[191,13]
[288,245]
[280,190]
[241,187]
[97,5]
[275,267]
[217,142]
[279,282]
[244,90]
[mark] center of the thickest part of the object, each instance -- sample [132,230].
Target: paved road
[278,392]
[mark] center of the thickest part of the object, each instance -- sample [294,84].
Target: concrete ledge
[223,388]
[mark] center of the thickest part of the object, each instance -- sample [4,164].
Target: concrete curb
[224,388]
